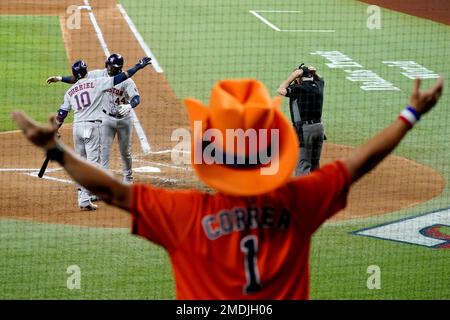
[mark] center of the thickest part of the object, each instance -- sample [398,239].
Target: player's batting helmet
[79,69]
[115,60]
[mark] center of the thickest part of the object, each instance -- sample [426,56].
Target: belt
[117,116]
[310,121]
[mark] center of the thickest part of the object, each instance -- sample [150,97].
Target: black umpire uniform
[305,104]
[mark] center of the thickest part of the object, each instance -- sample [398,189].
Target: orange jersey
[228,247]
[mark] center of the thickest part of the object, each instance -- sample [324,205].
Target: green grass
[339,263]
[32,49]
[116,265]
[198,43]
[208,40]
[113,264]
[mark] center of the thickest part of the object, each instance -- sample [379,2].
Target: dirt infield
[436,10]
[53,200]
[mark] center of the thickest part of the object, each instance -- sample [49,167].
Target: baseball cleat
[88,207]
[128,180]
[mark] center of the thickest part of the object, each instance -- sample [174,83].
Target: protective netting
[389,243]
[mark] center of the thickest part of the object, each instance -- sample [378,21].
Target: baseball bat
[44,167]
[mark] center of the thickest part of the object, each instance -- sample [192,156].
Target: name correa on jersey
[238,219]
[81,87]
[428,230]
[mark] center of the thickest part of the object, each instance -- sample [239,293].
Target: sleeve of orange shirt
[163,216]
[321,194]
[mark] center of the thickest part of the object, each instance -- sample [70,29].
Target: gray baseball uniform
[85,98]
[114,123]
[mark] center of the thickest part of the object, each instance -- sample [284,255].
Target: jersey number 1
[249,245]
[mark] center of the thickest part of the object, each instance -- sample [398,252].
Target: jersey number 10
[83,100]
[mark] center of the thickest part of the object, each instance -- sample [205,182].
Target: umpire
[304,87]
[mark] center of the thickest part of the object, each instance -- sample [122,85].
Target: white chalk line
[88,8]
[46,177]
[170,180]
[278,11]
[169,151]
[27,169]
[16,170]
[145,146]
[267,22]
[140,132]
[140,39]
[97,29]
[170,166]
[137,125]
[165,164]
[162,164]
[274,27]
[142,138]
[33,172]
[147,169]
[306,30]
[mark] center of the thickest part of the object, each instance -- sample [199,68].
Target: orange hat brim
[240,181]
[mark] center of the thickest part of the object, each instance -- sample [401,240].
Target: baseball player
[304,87]
[84,98]
[251,240]
[117,104]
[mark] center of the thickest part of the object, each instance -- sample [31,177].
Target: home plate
[147,169]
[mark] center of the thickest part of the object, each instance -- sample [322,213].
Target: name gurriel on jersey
[81,87]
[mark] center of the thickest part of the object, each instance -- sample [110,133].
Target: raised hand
[144,62]
[423,101]
[39,135]
[53,79]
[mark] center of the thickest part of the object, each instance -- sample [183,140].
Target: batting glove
[144,62]
[124,109]
[54,79]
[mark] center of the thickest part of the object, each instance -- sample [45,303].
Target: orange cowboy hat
[241,104]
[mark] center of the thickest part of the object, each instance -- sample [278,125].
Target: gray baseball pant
[86,141]
[123,127]
[311,137]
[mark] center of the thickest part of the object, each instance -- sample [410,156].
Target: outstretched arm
[121,77]
[92,177]
[66,79]
[365,158]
